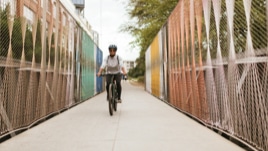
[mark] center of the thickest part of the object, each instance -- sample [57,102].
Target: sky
[106,17]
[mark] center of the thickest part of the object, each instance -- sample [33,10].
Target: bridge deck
[142,123]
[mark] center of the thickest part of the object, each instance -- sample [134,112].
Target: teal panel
[87,67]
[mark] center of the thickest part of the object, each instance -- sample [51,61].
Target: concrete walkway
[142,123]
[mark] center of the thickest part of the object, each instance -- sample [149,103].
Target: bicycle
[113,96]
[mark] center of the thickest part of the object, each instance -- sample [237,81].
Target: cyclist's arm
[122,67]
[100,71]
[124,70]
[103,65]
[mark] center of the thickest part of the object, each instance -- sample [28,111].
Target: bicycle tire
[115,97]
[110,104]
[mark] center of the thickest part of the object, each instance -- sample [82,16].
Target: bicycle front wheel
[110,104]
[115,98]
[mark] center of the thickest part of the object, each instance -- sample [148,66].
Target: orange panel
[155,61]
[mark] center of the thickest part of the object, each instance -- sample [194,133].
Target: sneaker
[119,101]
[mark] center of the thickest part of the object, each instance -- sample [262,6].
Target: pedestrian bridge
[141,123]
[208,62]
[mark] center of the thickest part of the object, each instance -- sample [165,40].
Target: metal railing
[46,65]
[210,61]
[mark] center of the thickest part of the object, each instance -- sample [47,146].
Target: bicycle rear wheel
[110,104]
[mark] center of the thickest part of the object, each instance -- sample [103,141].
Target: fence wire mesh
[40,67]
[217,65]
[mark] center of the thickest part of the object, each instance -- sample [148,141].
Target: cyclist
[113,65]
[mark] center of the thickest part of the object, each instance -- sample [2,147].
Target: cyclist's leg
[118,78]
[108,81]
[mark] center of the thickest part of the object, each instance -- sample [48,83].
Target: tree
[4,31]
[16,39]
[147,16]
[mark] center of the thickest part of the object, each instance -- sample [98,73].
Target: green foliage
[258,25]
[257,30]
[148,17]
[38,44]
[16,38]
[4,34]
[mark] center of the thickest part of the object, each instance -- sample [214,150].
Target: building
[79,5]
[129,64]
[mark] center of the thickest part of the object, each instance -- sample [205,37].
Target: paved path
[142,123]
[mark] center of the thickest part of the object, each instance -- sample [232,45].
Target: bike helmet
[112,46]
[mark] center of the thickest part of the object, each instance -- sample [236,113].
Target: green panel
[87,65]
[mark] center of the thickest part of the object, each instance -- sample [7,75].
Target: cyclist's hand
[98,74]
[124,76]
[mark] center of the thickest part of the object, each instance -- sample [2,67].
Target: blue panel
[99,59]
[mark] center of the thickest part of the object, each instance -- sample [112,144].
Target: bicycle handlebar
[104,74]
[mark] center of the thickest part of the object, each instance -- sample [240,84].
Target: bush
[141,79]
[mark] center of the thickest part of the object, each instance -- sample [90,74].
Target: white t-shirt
[111,64]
